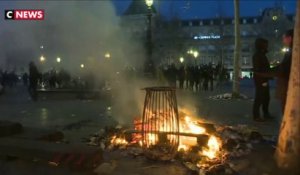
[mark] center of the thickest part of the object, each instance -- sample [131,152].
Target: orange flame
[187,125]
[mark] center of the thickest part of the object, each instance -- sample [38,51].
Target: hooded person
[282,71]
[262,92]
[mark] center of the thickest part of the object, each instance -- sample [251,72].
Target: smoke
[79,32]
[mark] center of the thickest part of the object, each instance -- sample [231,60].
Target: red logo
[23,14]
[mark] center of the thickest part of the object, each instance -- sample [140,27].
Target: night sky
[188,9]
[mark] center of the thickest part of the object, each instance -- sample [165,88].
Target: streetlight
[42,58]
[285,49]
[82,66]
[181,59]
[149,63]
[58,59]
[190,51]
[196,54]
[149,3]
[107,55]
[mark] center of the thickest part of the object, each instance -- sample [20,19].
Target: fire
[213,147]
[190,126]
[118,141]
[187,125]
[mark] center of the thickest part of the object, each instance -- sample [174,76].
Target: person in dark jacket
[262,92]
[181,76]
[33,80]
[282,71]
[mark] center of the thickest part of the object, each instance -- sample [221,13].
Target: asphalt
[80,118]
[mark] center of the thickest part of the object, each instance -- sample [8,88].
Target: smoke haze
[79,33]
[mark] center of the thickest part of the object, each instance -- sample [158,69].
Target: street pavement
[78,119]
[71,114]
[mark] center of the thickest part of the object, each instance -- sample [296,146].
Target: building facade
[212,38]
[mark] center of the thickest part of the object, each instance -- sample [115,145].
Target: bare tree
[237,51]
[288,149]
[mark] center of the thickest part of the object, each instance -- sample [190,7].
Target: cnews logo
[24,14]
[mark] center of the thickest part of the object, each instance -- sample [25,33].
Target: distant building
[213,38]
[134,19]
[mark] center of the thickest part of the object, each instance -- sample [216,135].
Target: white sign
[207,37]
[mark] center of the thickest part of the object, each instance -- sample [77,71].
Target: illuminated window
[244,21]
[255,20]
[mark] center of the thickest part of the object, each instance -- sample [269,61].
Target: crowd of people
[194,78]
[8,78]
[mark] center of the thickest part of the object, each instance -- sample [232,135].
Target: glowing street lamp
[149,65]
[285,49]
[82,66]
[58,59]
[149,3]
[190,51]
[181,59]
[42,58]
[107,55]
[41,47]
[196,54]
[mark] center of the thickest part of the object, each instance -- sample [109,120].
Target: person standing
[25,79]
[282,71]
[262,92]
[181,76]
[33,80]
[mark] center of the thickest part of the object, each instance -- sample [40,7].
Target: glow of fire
[118,141]
[213,148]
[187,125]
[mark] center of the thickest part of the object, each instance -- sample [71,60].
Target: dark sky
[210,8]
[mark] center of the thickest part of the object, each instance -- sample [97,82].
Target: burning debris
[165,134]
[205,150]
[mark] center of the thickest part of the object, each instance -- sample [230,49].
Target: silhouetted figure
[172,75]
[210,74]
[282,71]
[191,77]
[197,77]
[33,80]
[181,76]
[52,79]
[205,78]
[25,79]
[262,94]
[187,78]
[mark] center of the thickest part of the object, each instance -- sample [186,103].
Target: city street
[77,119]
[57,112]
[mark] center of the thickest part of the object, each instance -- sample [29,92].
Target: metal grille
[160,123]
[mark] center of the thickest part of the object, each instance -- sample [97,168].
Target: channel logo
[23,14]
